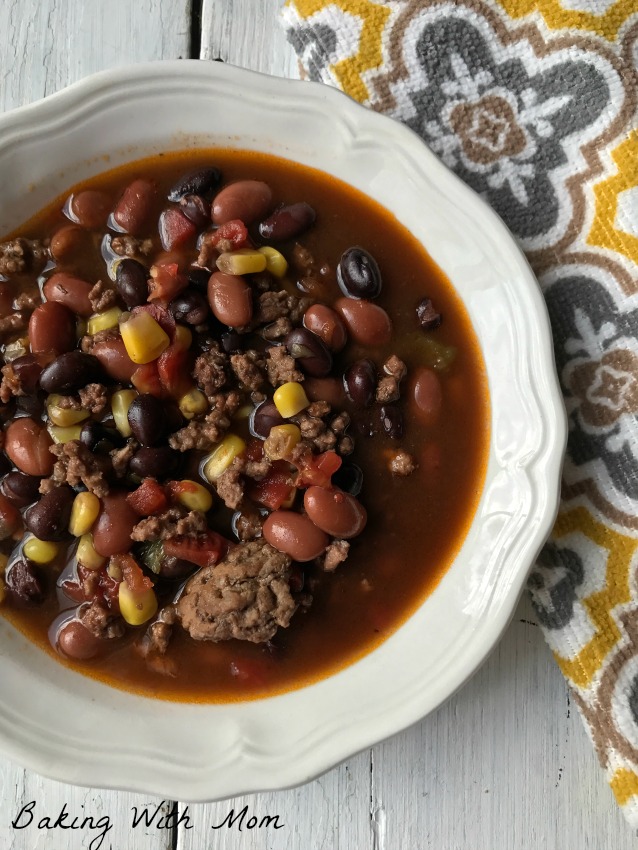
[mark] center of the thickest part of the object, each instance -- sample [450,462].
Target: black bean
[160,463]
[70,372]
[360,382]
[392,421]
[232,342]
[49,518]
[100,438]
[28,371]
[25,583]
[263,418]
[196,209]
[358,274]
[147,419]
[30,405]
[20,488]
[198,278]
[175,568]
[203,182]
[190,306]
[429,318]
[349,477]
[131,281]
[287,222]
[310,352]
[5,464]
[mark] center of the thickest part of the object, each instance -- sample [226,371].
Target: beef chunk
[75,465]
[281,366]
[211,370]
[230,484]
[335,554]
[204,433]
[175,522]
[22,255]
[402,463]
[102,297]
[245,597]
[387,390]
[249,368]
[395,367]
[100,621]
[129,246]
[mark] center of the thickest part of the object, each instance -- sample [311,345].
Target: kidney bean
[114,524]
[147,419]
[27,445]
[25,583]
[68,241]
[21,489]
[90,208]
[367,323]
[75,641]
[49,518]
[429,318]
[230,299]
[326,324]
[427,395]
[195,208]
[310,352]
[114,359]
[360,382]
[10,518]
[288,222]
[335,512]
[263,418]
[190,306]
[349,477]
[133,210]
[28,370]
[131,281]
[203,182]
[247,200]
[70,291]
[325,389]
[175,229]
[392,421]
[358,274]
[99,438]
[52,328]
[70,372]
[295,535]
[159,462]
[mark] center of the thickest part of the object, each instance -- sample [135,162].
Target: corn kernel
[193,496]
[290,501]
[136,608]
[64,435]
[40,551]
[86,507]
[222,456]
[86,554]
[193,403]
[183,337]
[4,560]
[275,261]
[143,337]
[114,570]
[243,261]
[290,399]
[62,416]
[3,591]
[120,403]
[242,412]
[281,441]
[103,321]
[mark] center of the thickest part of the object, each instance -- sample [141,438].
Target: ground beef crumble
[100,621]
[27,301]
[13,322]
[120,458]
[249,369]
[94,398]
[88,342]
[22,255]
[204,433]
[230,484]
[335,554]
[10,385]
[401,463]
[248,525]
[76,465]
[280,305]
[102,297]
[281,366]
[321,435]
[245,597]
[175,522]
[211,370]
[129,246]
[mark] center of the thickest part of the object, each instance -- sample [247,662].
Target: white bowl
[72,728]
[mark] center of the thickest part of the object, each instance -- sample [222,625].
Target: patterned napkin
[533,104]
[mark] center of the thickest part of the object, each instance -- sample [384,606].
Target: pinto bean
[49,518]
[113,527]
[52,328]
[427,395]
[288,222]
[248,200]
[114,359]
[133,211]
[295,535]
[367,323]
[70,371]
[230,299]
[75,641]
[335,512]
[70,291]
[327,324]
[67,241]
[326,389]
[27,445]
[90,208]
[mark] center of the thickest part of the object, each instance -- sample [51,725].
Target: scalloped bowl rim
[208,752]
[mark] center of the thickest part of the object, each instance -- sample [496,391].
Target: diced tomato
[110,591]
[165,282]
[132,573]
[149,498]
[146,379]
[254,449]
[273,490]
[161,316]
[318,469]
[205,551]
[174,368]
[234,231]
[90,585]
[175,229]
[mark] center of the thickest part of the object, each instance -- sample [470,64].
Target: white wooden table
[505,765]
